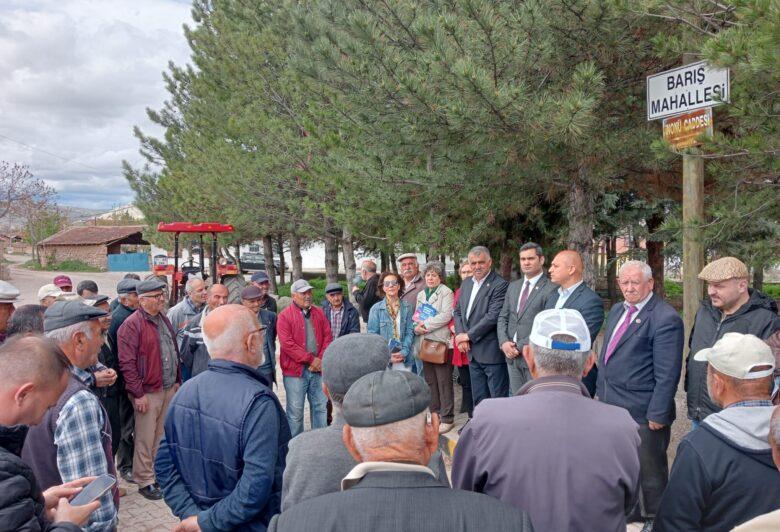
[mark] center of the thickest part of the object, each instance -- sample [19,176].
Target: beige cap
[406,256]
[49,290]
[739,355]
[724,269]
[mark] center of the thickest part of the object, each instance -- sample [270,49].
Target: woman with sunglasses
[391,318]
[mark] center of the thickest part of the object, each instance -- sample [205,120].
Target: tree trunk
[611,249]
[655,253]
[295,256]
[383,261]
[393,262]
[280,253]
[505,261]
[350,267]
[270,269]
[331,259]
[758,276]
[580,237]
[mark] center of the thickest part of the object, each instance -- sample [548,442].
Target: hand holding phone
[94,490]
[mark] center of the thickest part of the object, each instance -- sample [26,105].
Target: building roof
[92,235]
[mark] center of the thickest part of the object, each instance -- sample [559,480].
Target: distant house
[94,245]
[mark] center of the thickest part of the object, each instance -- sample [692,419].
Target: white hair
[479,250]
[65,334]
[639,265]
[190,282]
[406,434]
[228,342]
[560,361]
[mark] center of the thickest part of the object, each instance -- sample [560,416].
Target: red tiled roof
[91,235]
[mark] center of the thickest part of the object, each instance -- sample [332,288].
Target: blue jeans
[695,424]
[297,389]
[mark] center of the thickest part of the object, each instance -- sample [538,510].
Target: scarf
[392,310]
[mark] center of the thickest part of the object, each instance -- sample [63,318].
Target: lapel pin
[638,320]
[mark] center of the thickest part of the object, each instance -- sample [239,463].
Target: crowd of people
[569,413]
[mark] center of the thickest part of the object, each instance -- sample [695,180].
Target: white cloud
[75,77]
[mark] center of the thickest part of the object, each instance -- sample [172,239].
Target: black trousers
[125,446]
[653,470]
[488,380]
[466,402]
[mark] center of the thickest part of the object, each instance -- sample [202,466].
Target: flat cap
[260,277]
[96,300]
[48,290]
[407,256]
[64,313]
[149,285]
[8,292]
[385,397]
[251,292]
[724,269]
[126,286]
[351,356]
[333,287]
[300,286]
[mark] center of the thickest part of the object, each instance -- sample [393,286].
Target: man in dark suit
[641,362]
[525,298]
[392,434]
[476,315]
[367,297]
[566,271]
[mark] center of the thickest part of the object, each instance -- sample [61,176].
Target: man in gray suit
[317,460]
[525,298]
[476,315]
[391,432]
[566,270]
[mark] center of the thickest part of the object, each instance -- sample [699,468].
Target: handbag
[433,352]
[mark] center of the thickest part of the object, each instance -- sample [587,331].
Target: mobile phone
[94,490]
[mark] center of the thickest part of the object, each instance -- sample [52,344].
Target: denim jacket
[379,322]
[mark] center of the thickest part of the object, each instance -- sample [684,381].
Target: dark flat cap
[350,357]
[150,285]
[385,397]
[96,299]
[251,292]
[126,286]
[260,277]
[333,287]
[64,313]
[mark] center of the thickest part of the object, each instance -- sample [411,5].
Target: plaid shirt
[80,453]
[335,320]
[757,402]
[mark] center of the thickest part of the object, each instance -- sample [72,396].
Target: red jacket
[291,332]
[458,359]
[140,360]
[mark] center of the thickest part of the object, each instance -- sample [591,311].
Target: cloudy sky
[75,77]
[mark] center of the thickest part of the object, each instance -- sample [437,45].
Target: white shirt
[531,285]
[360,471]
[474,290]
[564,293]
[639,306]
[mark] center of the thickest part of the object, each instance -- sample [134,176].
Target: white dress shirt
[363,468]
[639,306]
[564,293]
[474,290]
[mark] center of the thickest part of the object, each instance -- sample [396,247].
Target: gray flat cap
[300,286]
[350,357]
[8,292]
[385,397]
[126,286]
[333,287]
[150,285]
[64,313]
[96,300]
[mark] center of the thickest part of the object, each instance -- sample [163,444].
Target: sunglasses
[390,283]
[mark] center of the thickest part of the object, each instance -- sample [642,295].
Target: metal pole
[174,282]
[693,216]
[202,263]
[213,258]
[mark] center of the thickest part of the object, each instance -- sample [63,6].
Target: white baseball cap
[570,322]
[49,290]
[742,356]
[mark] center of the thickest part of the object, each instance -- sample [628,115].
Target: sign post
[688,94]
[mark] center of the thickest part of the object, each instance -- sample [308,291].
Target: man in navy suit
[476,314]
[640,365]
[566,271]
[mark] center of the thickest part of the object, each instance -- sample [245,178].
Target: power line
[50,153]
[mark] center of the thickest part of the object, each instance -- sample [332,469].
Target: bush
[318,289]
[673,288]
[64,266]
[772,290]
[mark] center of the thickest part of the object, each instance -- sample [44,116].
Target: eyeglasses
[154,296]
[390,284]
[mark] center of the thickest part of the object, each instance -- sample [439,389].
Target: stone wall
[93,255]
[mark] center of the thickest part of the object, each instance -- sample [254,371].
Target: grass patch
[64,266]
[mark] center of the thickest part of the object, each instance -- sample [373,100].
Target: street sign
[683,131]
[690,87]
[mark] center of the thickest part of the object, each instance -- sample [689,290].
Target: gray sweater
[317,461]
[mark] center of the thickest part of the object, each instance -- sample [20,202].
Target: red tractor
[219,268]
